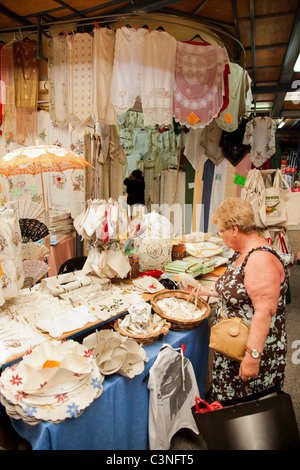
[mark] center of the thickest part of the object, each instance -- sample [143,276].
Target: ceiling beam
[69,7]
[13,16]
[268,89]
[287,72]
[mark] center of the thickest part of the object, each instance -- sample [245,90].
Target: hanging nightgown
[232,293]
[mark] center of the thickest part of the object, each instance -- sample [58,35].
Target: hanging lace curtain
[26,79]
[58,80]
[199,83]
[80,59]
[158,78]
[8,92]
[103,58]
[127,76]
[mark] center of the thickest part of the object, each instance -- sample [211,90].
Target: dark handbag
[265,423]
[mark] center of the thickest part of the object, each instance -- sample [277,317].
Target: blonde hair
[236,211]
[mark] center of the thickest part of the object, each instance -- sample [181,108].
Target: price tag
[228,118]
[192,118]
[238,179]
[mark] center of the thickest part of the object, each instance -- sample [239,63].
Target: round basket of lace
[146,339]
[181,309]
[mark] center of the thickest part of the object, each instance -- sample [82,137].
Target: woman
[254,288]
[135,189]
[296,187]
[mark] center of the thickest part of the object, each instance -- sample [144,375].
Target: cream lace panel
[199,83]
[158,79]
[80,49]
[58,80]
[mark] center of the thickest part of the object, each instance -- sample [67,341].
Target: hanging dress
[233,295]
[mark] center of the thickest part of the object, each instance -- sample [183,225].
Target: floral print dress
[233,295]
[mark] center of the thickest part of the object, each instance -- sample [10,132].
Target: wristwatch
[254,353]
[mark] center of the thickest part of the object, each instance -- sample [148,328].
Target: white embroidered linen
[158,78]
[199,83]
[127,78]
[10,255]
[240,97]
[80,56]
[193,150]
[71,320]
[103,58]
[58,80]
[260,135]
[210,142]
[173,387]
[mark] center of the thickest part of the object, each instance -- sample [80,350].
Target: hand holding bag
[229,337]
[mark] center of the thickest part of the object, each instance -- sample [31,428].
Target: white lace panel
[158,78]
[81,74]
[199,83]
[127,77]
[58,80]
[103,59]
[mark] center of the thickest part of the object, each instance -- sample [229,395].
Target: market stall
[195,140]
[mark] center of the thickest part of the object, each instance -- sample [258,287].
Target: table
[118,419]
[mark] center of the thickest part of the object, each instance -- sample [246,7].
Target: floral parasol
[40,159]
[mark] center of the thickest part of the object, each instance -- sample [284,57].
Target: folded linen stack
[56,381]
[191,266]
[148,284]
[60,222]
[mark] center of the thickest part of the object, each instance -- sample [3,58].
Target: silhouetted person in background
[135,184]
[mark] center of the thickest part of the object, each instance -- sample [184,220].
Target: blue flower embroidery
[73,410]
[30,410]
[96,383]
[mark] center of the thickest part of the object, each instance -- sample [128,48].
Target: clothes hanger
[197,36]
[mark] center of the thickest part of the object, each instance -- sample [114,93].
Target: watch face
[254,354]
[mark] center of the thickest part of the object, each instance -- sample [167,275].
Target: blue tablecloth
[118,419]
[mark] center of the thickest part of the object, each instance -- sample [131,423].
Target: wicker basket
[145,340]
[176,323]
